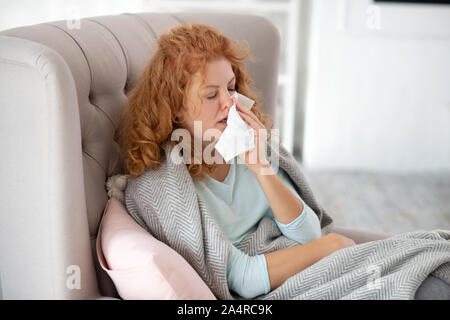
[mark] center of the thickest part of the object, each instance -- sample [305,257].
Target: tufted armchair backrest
[61,93]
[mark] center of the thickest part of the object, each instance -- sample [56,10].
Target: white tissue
[238,136]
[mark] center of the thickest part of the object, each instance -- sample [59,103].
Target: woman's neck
[221,172]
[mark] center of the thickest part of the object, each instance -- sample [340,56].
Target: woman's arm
[286,207]
[284,263]
[303,229]
[247,275]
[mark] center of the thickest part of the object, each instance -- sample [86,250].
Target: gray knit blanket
[165,202]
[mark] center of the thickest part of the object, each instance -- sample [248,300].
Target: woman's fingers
[260,143]
[256,126]
[250,120]
[247,112]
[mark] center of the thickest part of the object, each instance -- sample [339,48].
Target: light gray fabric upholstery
[360,236]
[61,91]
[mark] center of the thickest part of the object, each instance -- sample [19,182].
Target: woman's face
[215,93]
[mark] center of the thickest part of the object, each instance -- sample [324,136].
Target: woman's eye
[229,89]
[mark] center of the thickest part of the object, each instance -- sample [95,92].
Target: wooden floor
[392,203]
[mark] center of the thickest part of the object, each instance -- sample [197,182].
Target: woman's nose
[228,102]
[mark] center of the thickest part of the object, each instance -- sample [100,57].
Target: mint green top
[238,203]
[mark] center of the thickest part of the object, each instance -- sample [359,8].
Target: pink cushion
[141,266]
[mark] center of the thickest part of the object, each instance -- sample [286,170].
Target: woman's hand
[252,157]
[284,263]
[338,241]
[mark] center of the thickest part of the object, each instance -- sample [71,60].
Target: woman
[189,81]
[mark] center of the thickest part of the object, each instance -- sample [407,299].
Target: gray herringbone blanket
[165,202]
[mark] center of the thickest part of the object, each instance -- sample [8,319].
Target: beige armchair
[61,91]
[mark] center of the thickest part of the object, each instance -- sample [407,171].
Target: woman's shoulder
[166,174]
[149,176]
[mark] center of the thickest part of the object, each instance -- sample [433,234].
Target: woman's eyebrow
[218,86]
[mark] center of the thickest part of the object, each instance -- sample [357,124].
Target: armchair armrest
[44,237]
[360,236]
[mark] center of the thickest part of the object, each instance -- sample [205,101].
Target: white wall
[378,87]
[20,13]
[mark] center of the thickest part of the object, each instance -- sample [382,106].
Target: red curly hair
[157,103]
